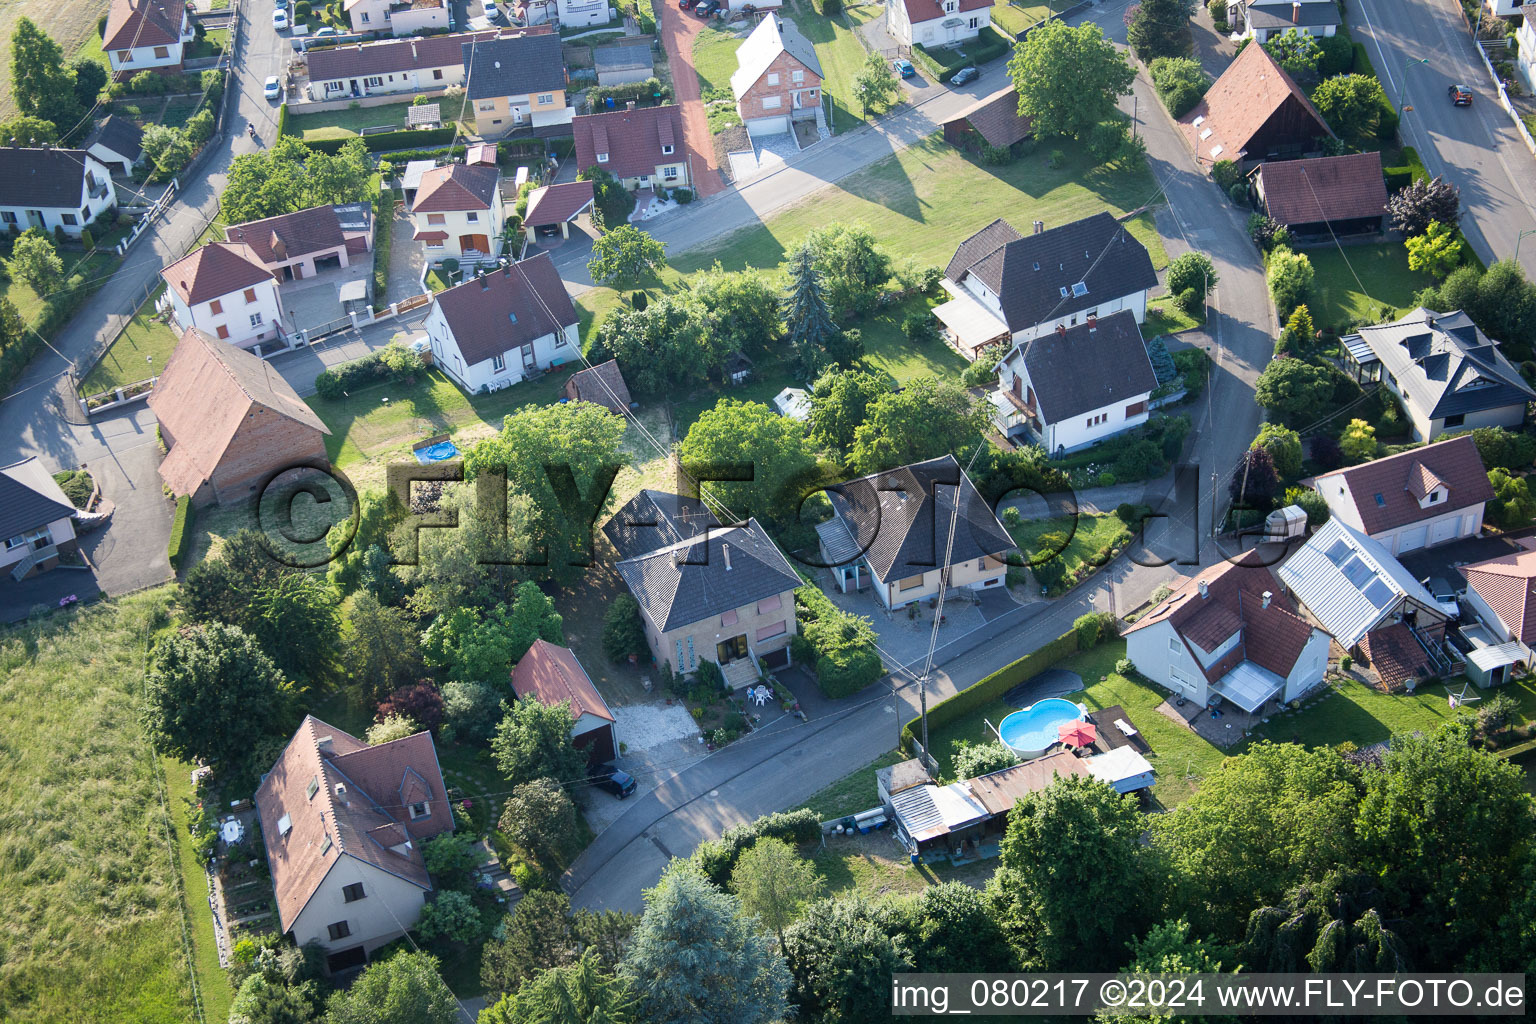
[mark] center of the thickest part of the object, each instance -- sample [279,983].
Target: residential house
[602,385]
[48,188]
[1525,56]
[1415,499]
[292,246]
[397,17]
[624,62]
[551,675]
[1074,388]
[505,326]
[1007,287]
[724,594]
[1506,8]
[1447,372]
[37,520]
[936,22]
[1369,603]
[899,533]
[516,81]
[556,206]
[1252,113]
[1499,593]
[224,289]
[423,64]
[145,35]
[229,421]
[1229,632]
[458,213]
[1263,20]
[1326,197]
[640,146]
[118,143]
[777,79]
[994,122]
[344,825]
[578,13]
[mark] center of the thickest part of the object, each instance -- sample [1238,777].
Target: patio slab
[904,640]
[314,301]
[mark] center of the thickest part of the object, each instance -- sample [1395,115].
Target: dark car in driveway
[615,780]
[685,5]
[707,8]
[1460,95]
[964,75]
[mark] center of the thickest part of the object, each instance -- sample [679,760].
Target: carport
[556,206]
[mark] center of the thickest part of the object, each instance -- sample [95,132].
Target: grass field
[852,793]
[344,124]
[140,351]
[1165,317]
[83,272]
[212,981]
[714,59]
[840,53]
[72,24]
[88,883]
[1383,271]
[1090,534]
[1012,19]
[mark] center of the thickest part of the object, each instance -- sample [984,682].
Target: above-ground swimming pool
[1035,729]
[440,452]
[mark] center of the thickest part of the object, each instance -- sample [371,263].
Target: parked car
[280,18]
[615,780]
[964,75]
[281,3]
[1460,95]
[706,8]
[325,31]
[272,88]
[903,67]
[685,5]
[1445,596]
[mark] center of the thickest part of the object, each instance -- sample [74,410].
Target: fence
[1503,93]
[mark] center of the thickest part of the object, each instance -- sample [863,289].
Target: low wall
[1503,94]
[298,108]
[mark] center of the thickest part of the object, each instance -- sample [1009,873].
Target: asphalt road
[1475,147]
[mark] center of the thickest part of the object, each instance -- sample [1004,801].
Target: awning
[974,324]
[1249,686]
[430,236]
[839,543]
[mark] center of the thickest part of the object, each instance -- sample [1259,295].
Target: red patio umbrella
[1077,734]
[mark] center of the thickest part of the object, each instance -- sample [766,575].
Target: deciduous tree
[840,401]
[774,884]
[1284,447]
[28,130]
[875,86]
[211,692]
[35,263]
[926,419]
[1412,208]
[1352,106]
[842,953]
[1295,51]
[854,267]
[742,307]
[624,255]
[1290,279]
[407,988]
[533,741]
[664,348]
[1191,270]
[1437,252]
[1069,78]
[539,817]
[751,434]
[41,83]
[1161,28]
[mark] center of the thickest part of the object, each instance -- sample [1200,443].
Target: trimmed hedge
[1412,169]
[646,16]
[1362,62]
[388,141]
[400,156]
[181,533]
[992,687]
[392,362]
[383,224]
[836,643]
[717,857]
[282,119]
[989,44]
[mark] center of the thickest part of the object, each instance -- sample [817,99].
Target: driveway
[407,260]
[129,553]
[659,740]
[677,30]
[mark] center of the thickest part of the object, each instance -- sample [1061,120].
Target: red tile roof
[1383,491]
[552,674]
[929,10]
[1327,188]
[1395,655]
[1506,583]
[1251,91]
[997,120]
[555,204]
[288,236]
[133,23]
[215,269]
[457,187]
[633,140]
[602,384]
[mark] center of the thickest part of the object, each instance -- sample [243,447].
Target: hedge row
[936,70]
[837,644]
[386,141]
[282,119]
[990,44]
[646,16]
[383,223]
[717,857]
[392,362]
[1412,169]
[406,155]
[992,687]
[181,533]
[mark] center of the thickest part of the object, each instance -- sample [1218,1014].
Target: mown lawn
[1165,317]
[714,59]
[1088,533]
[88,878]
[140,351]
[343,124]
[1015,18]
[212,980]
[852,793]
[81,271]
[840,53]
[1382,269]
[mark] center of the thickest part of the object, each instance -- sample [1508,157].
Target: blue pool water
[440,452]
[1032,730]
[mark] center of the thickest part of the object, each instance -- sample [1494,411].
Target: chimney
[1205,590]
[1061,329]
[1268,596]
[1295,12]
[1093,322]
[725,550]
[1039,226]
[629,105]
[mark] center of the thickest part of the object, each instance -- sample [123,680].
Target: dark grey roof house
[656,519]
[1447,372]
[36,519]
[514,66]
[118,143]
[50,188]
[1266,19]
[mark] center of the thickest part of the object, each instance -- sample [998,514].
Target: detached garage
[551,674]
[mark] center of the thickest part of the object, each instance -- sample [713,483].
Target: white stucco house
[581,13]
[458,213]
[1525,62]
[49,188]
[146,35]
[1229,633]
[1076,386]
[1263,20]
[505,326]
[224,290]
[1415,499]
[1007,287]
[936,22]
[37,520]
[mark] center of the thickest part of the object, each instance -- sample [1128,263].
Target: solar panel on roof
[1357,572]
[1378,593]
[1338,551]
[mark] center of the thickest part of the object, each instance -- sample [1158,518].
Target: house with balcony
[707,592]
[458,214]
[1005,287]
[224,290]
[580,13]
[1501,592]
[516,82]
[936,22]
[508,324]
[397,18]
[48,188]
[37,520]
[146,35]
[640,146]
[777,79]
[1075,386]
[899,534]
[1264,20]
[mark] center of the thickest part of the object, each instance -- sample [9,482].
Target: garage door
[1441,532]
[767,126]
[1411,540]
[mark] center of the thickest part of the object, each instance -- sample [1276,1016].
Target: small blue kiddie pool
[440,452]
[1034,730]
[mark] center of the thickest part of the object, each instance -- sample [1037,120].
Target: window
[472,215]
[910,583]
[486,106]
[437,218]
[162,52]
[797,77]
[437,76]
[216,306]
[602,158]
[1174,647]
[374,82]
[975,22]
[1381,501]
[546,98]
[30,539]
[768,632]
[773,78]
[771,102]
[313,787]
[498,363]
[365,17]
[255,319]
[325,847]
[693,657]
[667,150]
[339,930]
[728,618]
[70,218]
[420,810]
[352,893]
[1094,421]
[124,56]
[1080,289]
[222,332]
[1434,496]
[284,826]
[7,216]
[770,604]
[250,295]
[1450,421]
[669,172]
[1135,409]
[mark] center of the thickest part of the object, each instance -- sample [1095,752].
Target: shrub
[838,644]
[1226,173]
[392,362]
[1092,628]
[717,857]
[301,11]
[1107,479]
[1190,302]
[623,632]
[1239,193]
[973,759]
[920,328]
[1180,81]
[181,532]
[1345,662]
[1126,512]
[683,196]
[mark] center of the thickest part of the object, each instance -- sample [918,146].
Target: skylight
[1380,501]
[1063,291]
[1080,289]
[1378,593]
[1215,151]
[1205,134]
[512,317]
[1338,551]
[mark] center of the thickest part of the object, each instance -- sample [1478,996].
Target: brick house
[146,35]
[228,419]
[777,79]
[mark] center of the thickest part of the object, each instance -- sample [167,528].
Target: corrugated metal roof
[918,814]
[1121,765]
[1349,582]
[1489,658]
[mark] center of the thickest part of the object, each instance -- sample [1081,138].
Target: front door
[730,650]
[477,243]
[36,218]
